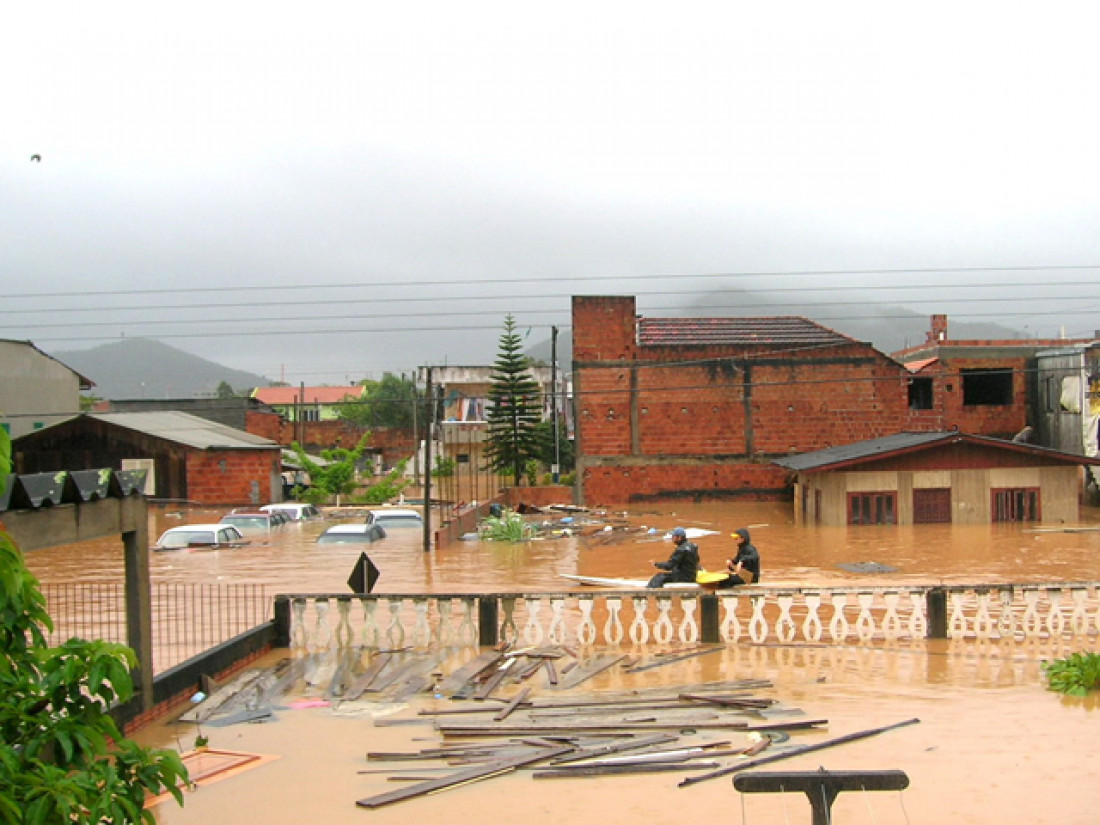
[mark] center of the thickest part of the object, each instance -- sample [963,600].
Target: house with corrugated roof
[186,458]
[936,478]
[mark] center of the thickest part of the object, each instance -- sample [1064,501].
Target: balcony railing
[837,615]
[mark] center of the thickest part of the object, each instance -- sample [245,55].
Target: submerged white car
[395,518]
[293,510]
[351,534]
[201,537]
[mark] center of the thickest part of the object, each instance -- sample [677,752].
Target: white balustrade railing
[757,615]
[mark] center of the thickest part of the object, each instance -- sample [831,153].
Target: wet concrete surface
[993,745]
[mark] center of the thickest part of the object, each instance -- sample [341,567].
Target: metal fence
[187,619]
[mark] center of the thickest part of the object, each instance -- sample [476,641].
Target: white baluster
[639,628]
[556,632]
[422,631]
[865,622]
[689,627]
[758,625]
[467,631]
[371,630]
[532,630]
[343,628]
[891,622]
[662,630]
[918,617]
[508,631]
[586,632]
[1055,622]
[299,634]
[444,633]
[983,619]
[395,632]
[838,625]
[784,625]
[1079,619]
[731,625]
[613,627]
[956,621]
[811,625]
[1006,621]
[322,636]
[1031,619]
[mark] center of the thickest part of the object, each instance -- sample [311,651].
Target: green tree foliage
[386,403]
[339,476]
[225,390]
[515,408]
[63,758]
[567,457]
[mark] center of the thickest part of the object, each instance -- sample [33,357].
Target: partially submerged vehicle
[293,510]
[395,518]
[254,521]
[200,537]
[352,534]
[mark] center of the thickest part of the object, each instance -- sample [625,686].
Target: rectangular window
[311,414]
[873,508]
[920,393]
[1016,504]
[987,387]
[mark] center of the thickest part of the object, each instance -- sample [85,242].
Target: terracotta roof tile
[769,331]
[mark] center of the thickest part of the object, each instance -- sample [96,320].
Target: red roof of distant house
[308,395]
[774,331]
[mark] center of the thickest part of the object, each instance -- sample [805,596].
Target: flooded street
[289,559]
[992,745]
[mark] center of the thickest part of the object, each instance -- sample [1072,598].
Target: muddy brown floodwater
[992,746]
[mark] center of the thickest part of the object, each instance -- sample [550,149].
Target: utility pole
[556,469]
[430,427]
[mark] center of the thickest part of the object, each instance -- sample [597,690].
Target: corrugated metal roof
[771,331]
[862,451]
[189,430]
[311,395]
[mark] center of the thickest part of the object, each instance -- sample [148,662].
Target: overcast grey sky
[262,184]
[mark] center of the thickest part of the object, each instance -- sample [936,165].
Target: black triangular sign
[363,576]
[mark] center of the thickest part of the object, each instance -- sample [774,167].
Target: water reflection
[289,560]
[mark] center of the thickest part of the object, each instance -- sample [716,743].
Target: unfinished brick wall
[704,422]
[233,478]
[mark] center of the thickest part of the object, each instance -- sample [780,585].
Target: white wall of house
[35,389]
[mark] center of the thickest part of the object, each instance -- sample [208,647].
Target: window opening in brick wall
[1016,504]
[873,508]
[920,393]
[311,414]
[987,387]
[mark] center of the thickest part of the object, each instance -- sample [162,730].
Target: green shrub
[509,526]
[1074,675]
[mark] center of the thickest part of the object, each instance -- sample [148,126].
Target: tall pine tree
[515,408]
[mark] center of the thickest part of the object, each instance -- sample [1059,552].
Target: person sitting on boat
[682,565]
[744,568]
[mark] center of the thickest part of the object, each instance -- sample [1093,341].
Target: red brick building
[981,387]
[697,408]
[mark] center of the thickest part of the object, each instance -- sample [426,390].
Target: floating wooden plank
[589,669]
[673,659]
[357,687]
[551,672]
[620,770]
[612,728]
[457,685]
[511,706]
[615,747]
[493,682]
[796,751]
[475,774]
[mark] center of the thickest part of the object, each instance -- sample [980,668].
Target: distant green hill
[144,368]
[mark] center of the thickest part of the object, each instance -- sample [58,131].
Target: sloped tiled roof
[189,430]
[772,331]
[917,366]
[860,452]
[311,395]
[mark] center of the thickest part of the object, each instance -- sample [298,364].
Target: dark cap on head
[679,531]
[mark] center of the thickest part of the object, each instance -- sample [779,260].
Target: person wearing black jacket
[744,568]
[682,565]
